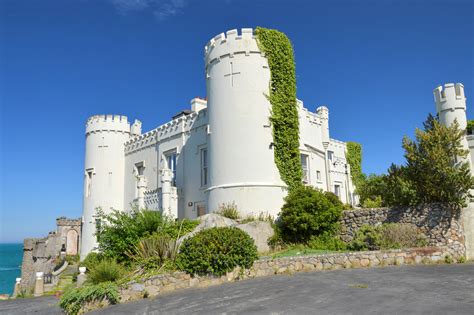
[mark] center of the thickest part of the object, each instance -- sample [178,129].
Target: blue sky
[373,63]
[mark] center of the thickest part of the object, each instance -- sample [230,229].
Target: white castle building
[219,151]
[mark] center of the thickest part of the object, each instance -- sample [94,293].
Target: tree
[436,165]
[371,188]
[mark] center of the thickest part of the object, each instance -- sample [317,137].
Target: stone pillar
[81,277]
[39,284]
[468,224]
[17,289]
[141,186]
[166,176]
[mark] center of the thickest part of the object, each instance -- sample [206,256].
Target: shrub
[327,242]
[73,300]
[396,235]
[229,210]
[217,251]
[59,264]
[122,230]
[104,271]
[308,212]
[368,237]
[387,236]
[372,203]
[72,259]
[91,260]
[153,252]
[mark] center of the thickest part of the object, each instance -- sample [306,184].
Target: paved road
[39,306]
[439,289]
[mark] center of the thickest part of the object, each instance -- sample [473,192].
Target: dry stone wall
[159,284]
[441,225]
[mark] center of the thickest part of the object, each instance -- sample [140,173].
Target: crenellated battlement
[449,97]
[229,44]
[98,123]
[170,129]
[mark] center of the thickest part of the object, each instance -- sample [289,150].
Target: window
[203,167]
[337,190]
[330,155]
[140,168]
[171,164]
[305,167]
[88,182]
[318,175]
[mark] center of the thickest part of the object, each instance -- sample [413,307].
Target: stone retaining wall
[159,284]
[441,226]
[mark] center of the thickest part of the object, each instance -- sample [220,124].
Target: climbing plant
[284,117]
[354,158]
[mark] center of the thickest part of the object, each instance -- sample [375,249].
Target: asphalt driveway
[436,289]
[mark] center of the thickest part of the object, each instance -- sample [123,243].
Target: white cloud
[161,9]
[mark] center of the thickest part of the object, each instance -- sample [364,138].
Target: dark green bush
[307,213]
[368,237]
[74,299]
[106,270]
[217,251]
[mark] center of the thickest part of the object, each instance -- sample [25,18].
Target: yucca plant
[106,270]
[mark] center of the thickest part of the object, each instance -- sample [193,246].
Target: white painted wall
[240,152]
[233,125]
[103,171]
[450,102]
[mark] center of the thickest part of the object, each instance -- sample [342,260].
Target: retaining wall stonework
[159,284]
[441,226]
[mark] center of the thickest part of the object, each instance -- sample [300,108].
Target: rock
[260,231]
[138,287]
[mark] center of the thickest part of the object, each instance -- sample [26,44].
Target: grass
[300,252]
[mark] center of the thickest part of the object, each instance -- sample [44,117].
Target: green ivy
[354,158]
[470,127]
[278,49]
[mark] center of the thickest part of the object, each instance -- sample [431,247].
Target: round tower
[240,144]
[104,171]
[450,106]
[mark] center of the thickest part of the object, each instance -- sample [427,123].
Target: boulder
[259,231]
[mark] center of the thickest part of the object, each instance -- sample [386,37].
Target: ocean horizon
[11,255]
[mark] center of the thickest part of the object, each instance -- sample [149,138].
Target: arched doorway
[72,241]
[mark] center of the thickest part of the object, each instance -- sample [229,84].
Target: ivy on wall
[354,158]
[470,127]
[284,117]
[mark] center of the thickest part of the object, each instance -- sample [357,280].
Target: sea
[10,266]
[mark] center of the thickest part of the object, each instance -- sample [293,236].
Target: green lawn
[300,252]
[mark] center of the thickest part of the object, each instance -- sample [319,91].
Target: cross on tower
[231,74]
[103,145]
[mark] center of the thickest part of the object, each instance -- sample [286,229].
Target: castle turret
[240,140]
[323,113]
[104,171]
[451,106]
